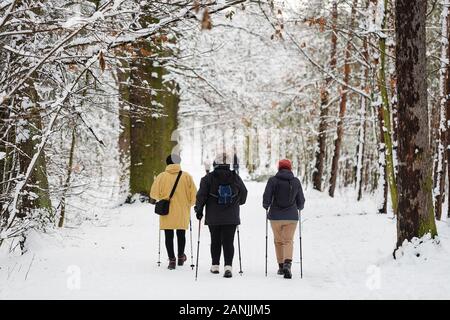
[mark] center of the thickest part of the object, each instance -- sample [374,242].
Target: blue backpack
[227,191]
[225,194]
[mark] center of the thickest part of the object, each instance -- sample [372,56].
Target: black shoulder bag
[162,206]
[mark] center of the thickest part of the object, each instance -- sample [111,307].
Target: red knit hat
[285,164]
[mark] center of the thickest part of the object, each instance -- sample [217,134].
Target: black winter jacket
[279,186]
[217,214]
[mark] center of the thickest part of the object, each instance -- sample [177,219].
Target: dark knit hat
[173,159]
[285,164]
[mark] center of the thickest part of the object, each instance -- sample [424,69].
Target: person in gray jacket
[283,200]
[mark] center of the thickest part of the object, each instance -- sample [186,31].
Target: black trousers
[181,241]
[222,237]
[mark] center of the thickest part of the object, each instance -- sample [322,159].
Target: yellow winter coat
[182,200]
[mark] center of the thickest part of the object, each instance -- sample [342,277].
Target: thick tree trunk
[342,107]
[153,119]
[442,130]
[324,101]
[148,117]
[36,192]
[148,111]
[415,206]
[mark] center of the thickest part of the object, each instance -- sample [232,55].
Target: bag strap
[175,185]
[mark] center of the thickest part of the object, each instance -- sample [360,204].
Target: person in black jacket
[222,191]
[284,199]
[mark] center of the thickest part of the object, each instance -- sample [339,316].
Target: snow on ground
[347,251]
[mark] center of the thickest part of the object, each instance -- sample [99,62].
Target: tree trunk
[36,193]
[248,148]
[342,107]
[7,132]
[415,214]
[447,116]
[382,181]
[361,148]
[362,124]
[153,119]
[149,109]
[123,77]
[386,113]
[62,215]
[442,130]
[382,163]
[324,101]
[148,117]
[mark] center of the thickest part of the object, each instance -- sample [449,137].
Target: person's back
[217,213]
[180,203]
[284,196]
[222,192]
[283,200]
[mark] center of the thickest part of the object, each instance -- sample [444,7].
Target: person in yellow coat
[180,206]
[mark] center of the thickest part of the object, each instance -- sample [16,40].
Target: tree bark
[386,113]
[36,192]
[324,101]
[123,77]
[62,215]
[415,207]
[7,132]
[442,129]
[362,126]
[342,106]
[447,116]
[153,119]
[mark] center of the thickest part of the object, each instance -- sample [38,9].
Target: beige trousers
[283,232]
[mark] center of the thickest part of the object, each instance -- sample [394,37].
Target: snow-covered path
[347,254]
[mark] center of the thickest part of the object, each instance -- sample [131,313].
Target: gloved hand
[198,213]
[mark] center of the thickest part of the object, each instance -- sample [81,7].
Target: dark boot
[287,269]
[172,264]
[182,259]
[280,269]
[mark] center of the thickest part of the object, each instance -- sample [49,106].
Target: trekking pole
[300,236]
[192,254]
[267,229]
[159,248]
[239,249]
[198,248]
